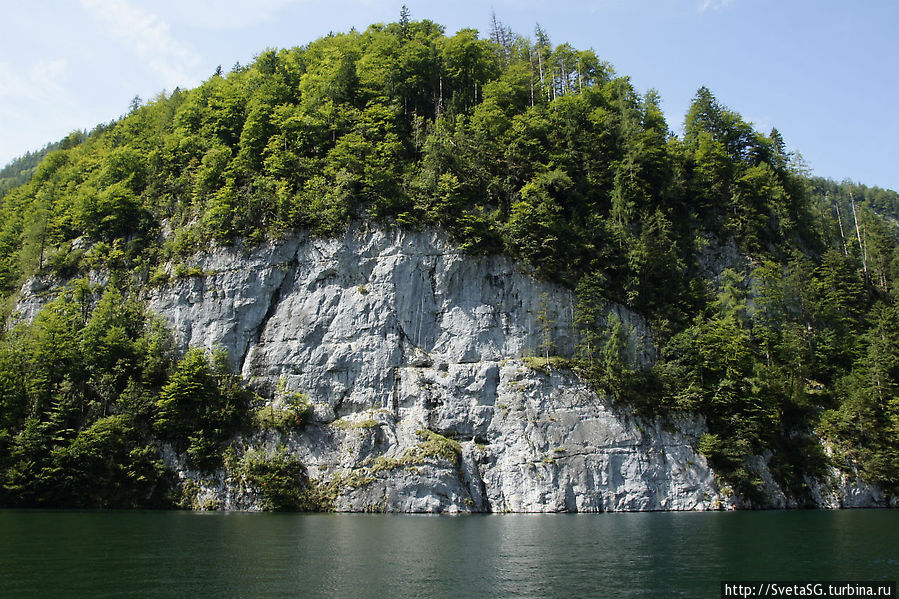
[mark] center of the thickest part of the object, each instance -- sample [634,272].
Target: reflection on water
[180,554]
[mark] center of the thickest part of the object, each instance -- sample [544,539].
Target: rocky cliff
[418,361]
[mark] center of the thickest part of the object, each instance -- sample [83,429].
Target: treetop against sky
[819,71]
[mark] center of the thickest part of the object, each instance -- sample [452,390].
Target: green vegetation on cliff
[90,388]
[513,145]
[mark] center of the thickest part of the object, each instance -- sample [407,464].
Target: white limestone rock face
[337,318]
[409,351]
[412,355]
[555,446]
[845,489]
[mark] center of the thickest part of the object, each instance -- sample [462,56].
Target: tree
[616,361]
[202,405]
[536,223]
[468,63]
[188,397]
[707,115]
[546,323]
[109,465]
[404,20]
[588,311]
[864,426]
[35,237]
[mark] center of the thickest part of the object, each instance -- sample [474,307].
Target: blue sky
[823,72]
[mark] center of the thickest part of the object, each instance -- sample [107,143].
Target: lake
[185,554]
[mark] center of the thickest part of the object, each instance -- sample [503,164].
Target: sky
[824,72]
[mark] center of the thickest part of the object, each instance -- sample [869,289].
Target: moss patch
[282,482]
[546,366]
[433,445]
[349,425]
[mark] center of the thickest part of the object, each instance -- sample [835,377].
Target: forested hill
[514,145]
[20,170]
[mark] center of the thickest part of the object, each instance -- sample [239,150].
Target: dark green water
[180,554]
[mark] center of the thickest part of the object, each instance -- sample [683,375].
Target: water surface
[184,554]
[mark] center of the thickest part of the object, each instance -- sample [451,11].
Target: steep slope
[254,259]
[398,337]
[418,364]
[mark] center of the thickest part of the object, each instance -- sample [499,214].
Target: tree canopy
[512,144]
